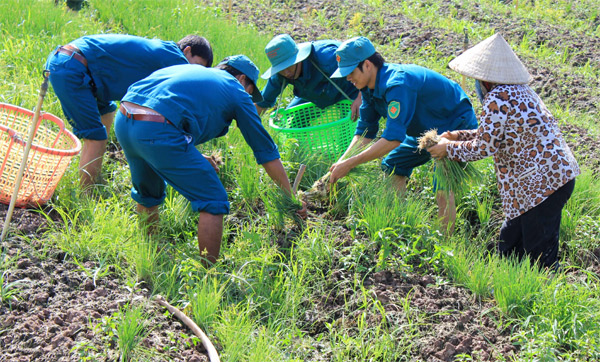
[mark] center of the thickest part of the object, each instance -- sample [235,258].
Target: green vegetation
[281,292]
[9,290]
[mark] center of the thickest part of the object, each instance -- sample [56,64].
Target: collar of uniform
[379,90]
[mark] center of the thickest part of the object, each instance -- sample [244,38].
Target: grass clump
[282,206]
[564,323]
[516,285]
[450,176]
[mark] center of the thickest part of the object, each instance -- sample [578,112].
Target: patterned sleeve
[466,134]
[486,140]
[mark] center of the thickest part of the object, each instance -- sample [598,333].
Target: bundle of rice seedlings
[284,206]
[217,158]
[320,190]
[450,176]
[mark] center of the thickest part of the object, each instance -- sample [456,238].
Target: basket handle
[329,79]
[32,129]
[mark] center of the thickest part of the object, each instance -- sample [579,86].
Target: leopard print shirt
[531,158]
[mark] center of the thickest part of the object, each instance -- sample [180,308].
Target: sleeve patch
[393,109]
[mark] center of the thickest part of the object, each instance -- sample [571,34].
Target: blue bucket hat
[245,65]
[283,52]
[350,53]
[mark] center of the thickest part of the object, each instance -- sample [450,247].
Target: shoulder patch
[393,109]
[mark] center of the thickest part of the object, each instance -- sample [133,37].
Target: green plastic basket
[327,131]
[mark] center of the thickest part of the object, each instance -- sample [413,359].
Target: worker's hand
[339,170]
[450,136]
[355,107]
[213,163]
[439,151]
[259,110]
[303,211]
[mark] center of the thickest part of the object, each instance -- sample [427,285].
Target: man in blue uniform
[162,118]
[413,100]
[91,72]
[307,67]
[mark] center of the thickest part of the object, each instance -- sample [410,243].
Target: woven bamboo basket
[51,151]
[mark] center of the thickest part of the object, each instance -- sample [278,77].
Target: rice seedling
[564,322]
[9,290]
[144,255]
[316,248]
[131,328]
[236,332]
[282,206]
[516,285]
[99,229]
[467,267]
[450,176]
[293,155]
[337,197]
[205,298]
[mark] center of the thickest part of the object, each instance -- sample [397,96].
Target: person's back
[316,86]
[116,61]
[92,72]
[202,102]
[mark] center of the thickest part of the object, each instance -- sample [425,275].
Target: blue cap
[350,53]
[283,52]
[245,65]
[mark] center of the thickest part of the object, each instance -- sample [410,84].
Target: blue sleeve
[254,133]
[271,91]
[401,102]
[368,123]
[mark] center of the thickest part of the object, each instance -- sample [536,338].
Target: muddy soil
[61,310]
[58,313]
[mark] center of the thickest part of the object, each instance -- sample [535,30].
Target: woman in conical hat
[535,168]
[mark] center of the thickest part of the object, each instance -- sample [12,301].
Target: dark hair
[376,59]
[228,68]
[200,47]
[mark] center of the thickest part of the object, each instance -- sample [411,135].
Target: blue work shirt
[117,61]
[202,102]
[414,100]
[312,85]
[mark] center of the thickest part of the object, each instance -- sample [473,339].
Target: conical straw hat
[492,61]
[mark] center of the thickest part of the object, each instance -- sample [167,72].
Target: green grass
[9,290]
[131,329]
[564,322]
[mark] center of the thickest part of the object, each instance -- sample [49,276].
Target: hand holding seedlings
[450,176]
[319,189]
[215,160]
[438,151]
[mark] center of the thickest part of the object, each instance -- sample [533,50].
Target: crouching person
[164,116]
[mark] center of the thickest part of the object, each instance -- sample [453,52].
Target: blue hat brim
[304,50]
[341,72]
